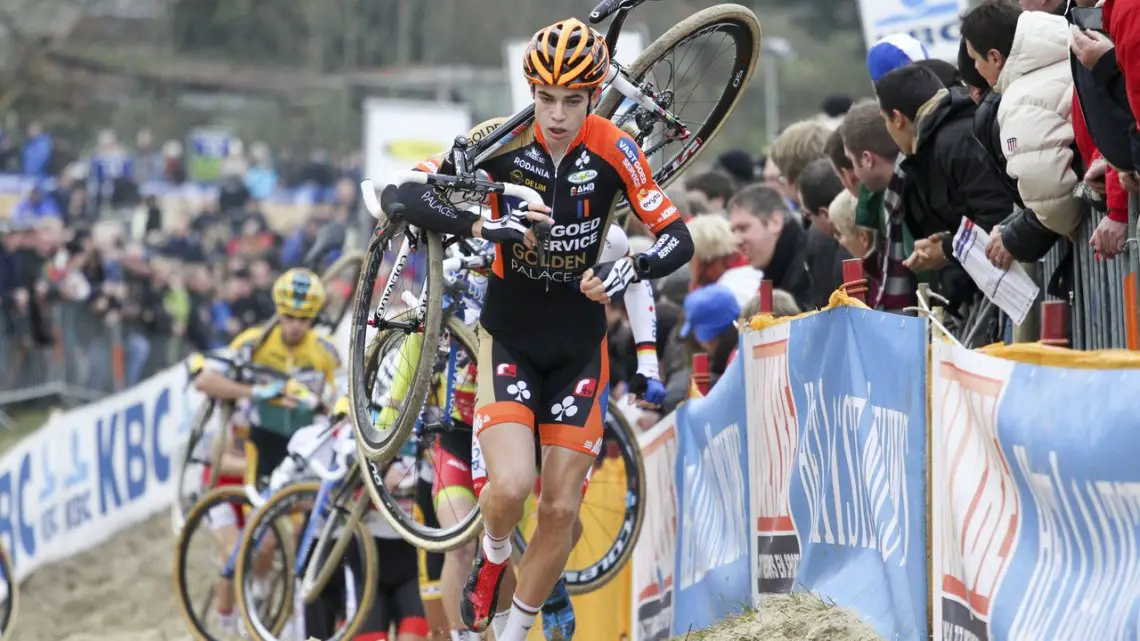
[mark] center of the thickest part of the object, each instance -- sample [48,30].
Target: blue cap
[892,52]
[709,311]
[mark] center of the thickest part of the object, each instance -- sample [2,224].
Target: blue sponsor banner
[91,472]
[1070,439]
[858,485]
[712,557]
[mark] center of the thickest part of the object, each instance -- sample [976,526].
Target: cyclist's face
[560,112]
[293,330]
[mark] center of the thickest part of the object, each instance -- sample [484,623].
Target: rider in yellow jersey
[273,407]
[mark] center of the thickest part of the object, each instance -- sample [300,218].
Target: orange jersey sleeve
[648,200]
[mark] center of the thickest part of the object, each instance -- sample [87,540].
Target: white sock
[228,622]
[520,622]
[464,635]
[499,623]
[497,551]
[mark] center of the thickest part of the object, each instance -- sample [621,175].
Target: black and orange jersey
[527,296]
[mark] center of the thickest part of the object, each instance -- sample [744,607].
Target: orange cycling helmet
[567,54]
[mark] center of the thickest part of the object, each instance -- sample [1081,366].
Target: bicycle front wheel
[612,512]
[410,302]
[411,525]
[725,33]
[288,511]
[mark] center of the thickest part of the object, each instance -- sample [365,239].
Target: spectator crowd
[1031,136]
[85,254]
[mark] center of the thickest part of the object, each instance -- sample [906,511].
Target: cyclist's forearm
[423,207]
[639,307]
[674,248]
[216,385]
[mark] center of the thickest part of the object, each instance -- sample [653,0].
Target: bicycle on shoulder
[212,450]
[661,107]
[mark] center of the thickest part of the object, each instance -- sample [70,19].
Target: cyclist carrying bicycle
[543,323]
[274,407]
[458,473]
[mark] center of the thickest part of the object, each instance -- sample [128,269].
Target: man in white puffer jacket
[1025,57]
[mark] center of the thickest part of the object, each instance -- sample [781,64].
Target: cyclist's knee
[558,509]
[512,488]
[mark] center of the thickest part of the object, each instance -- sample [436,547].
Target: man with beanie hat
[738,164]
[893,51]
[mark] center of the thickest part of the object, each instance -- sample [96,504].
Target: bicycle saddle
[607,8]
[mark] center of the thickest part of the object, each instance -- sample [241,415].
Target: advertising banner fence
[653,555]
[712,563]
[92,471]
[1036,498]
[837,463]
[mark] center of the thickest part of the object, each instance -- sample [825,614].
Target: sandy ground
[89,598]
[793,617]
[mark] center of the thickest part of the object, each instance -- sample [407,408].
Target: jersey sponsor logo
[582,160]
[523,163]
[535,154]
[634,171]
[524,258]
[586,387]
[519,390]
[650,200]
[583,209]
[565,409]
[580,177]
[506,369]
[486,128]
[519,178]
[629,148]
[582,190]
[668,248]
[588,228]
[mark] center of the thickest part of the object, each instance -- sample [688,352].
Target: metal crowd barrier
[1103,303]
[87,358]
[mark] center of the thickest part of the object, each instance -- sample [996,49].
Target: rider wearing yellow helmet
[299,297]
[305,360]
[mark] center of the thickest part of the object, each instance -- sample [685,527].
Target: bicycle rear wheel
[404,520]
[730,21]
[340,280]
[201,459]
[196,565]
[612,512]
[380,437]
[9,593]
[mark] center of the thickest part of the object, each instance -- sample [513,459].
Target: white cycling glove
[512,227]
[616,276]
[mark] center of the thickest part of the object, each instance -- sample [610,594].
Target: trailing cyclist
[543,326]
[397,602]
[272,407]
